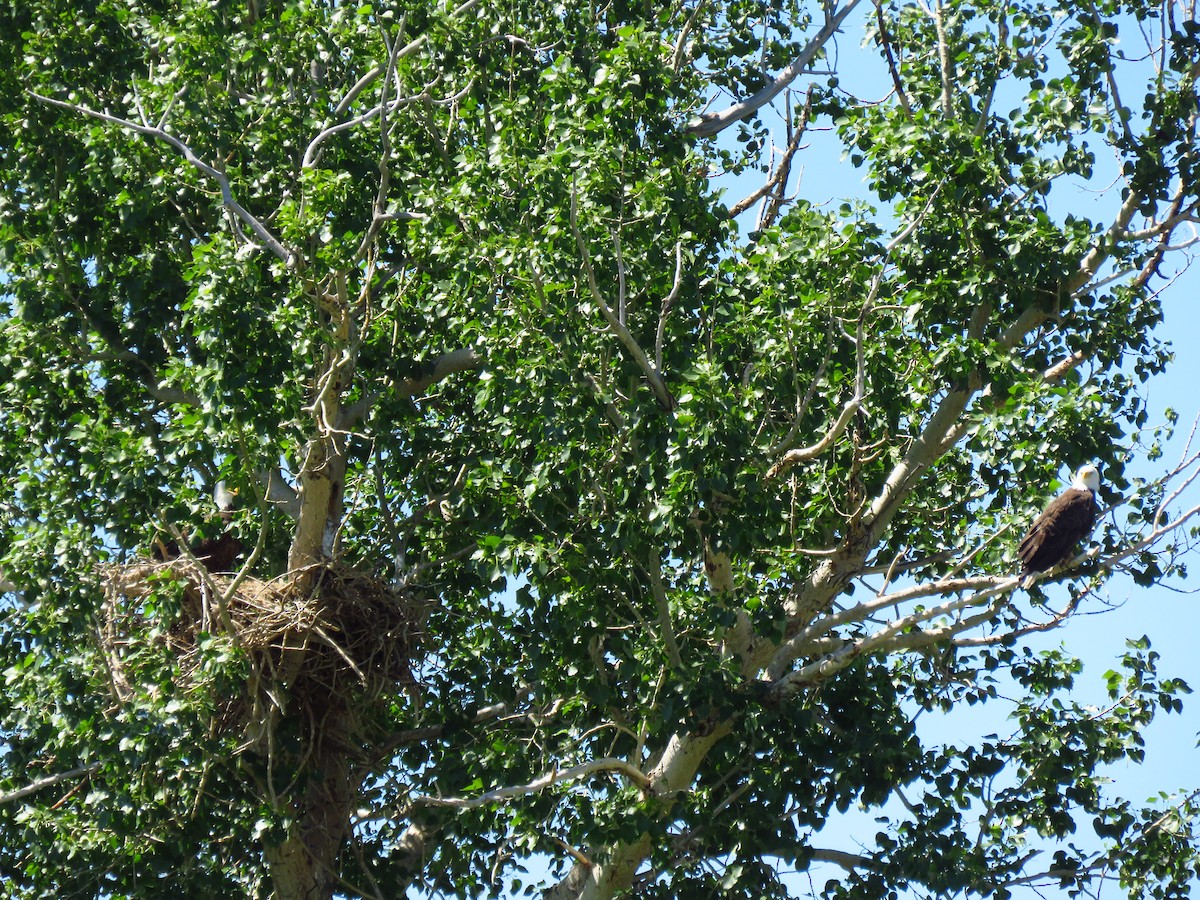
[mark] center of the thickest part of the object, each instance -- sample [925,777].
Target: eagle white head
[1087,479]
[224,497]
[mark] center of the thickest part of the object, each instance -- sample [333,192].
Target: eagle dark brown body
[218,554]
[1068,519]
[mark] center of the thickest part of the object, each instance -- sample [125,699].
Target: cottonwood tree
[685,524]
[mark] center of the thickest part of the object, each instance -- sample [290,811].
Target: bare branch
[681,42]
[1117,852]
[1100,253]
[359,86]
[812,451]
[944,63]
[848,861]
[942,430]
[806,454]
[779,177]
[893,68]
[900,634]
[379,210]
[658,591]
[278,492]
[798,645]
[802,403]
[1121,113]
[312,153]
[1056,372]
[444,366]
[830,665]
[667,304]
[674,772]
[449,363]
[713,123]
[1007,637]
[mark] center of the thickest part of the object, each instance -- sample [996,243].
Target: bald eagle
[1066,521]
[220,553]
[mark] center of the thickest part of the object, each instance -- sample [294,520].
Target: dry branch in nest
[345,641]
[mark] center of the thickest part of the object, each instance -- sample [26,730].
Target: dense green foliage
[474,263]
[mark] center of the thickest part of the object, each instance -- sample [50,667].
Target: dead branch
[779,177]
[893,68]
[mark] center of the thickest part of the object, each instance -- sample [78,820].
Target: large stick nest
[325,636]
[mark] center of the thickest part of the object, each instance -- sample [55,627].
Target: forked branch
[661,392]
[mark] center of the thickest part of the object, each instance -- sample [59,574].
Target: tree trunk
[304,866]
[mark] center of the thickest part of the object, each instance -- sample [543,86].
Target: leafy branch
[232,206]
[574,773]
[710,124]
[653,376]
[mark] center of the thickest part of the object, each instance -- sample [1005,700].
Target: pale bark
[714,123]
[236,210]
[49,781]
[305,866]
[615,872]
